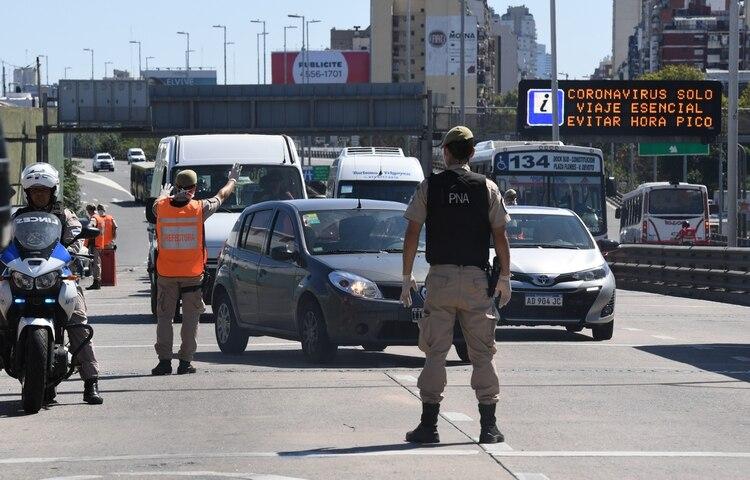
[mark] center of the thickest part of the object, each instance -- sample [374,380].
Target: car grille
[398,331]
[576,305]
[390,292]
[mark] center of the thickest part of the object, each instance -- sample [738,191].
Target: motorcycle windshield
[36,231]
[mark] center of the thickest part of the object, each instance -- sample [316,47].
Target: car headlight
[48,280]
[354,285]
[24,282]
[593,274]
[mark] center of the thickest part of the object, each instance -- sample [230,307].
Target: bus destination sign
[546,161]
[639,108]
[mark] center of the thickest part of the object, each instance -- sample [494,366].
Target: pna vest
[458,225]
[105,224]
[179,234]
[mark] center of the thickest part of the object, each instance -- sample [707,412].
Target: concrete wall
[19,130]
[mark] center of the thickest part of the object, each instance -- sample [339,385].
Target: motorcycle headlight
[354,285]
[593,274]
[48,280]
[24,282]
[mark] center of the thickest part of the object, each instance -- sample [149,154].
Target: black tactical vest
[458,224]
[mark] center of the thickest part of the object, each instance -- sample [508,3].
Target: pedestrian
[96,259]
[41,183]
[180,263]
[511,197]
[461,210]
[105,240]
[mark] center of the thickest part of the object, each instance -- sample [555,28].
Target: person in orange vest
[108,228]
[96,260]
[180,263]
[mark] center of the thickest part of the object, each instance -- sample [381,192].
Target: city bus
[549,174]
[665,213]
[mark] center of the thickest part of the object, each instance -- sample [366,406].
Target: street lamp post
[147,59]
[46,68]
[257,56]
[285,60]
[187,53]
[234,62]
[140,70]
[307,41]
[553,71]
[105,68]
[91,50]
[224,27]
[732,128]
[65,72]
[462,66]
[304,51]
[265,33]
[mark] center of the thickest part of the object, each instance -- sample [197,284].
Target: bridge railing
[711,273]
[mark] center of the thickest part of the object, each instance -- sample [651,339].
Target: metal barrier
[710,273]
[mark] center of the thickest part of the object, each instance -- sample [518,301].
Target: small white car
[103,161]
[558,274]
[136,155]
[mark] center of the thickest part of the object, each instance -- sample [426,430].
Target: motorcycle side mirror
[150,217]
[87,233]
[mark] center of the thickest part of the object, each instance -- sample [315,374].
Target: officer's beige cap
[456,134]
[186,178]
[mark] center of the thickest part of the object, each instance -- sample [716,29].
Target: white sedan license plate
[539,300]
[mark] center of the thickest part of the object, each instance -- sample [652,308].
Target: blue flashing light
[49,300]
[19,300]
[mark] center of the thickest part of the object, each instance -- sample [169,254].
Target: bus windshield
[675,201]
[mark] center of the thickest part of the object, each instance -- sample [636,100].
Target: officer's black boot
[489,432]
[97,285]
[185,367]
[164,367]
[91,392]
[426,431]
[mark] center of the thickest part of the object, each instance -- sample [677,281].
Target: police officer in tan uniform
[461,210]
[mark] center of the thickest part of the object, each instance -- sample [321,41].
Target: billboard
[443,45]
[326,66]
[616,108]
[180,77]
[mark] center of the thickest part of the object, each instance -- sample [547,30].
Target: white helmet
[40,175]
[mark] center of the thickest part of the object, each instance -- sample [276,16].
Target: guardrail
[710,273]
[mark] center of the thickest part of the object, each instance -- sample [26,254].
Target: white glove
[408,283]
[165,190]
[234,173]
[503,290]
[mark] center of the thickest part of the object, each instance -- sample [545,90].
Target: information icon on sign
[539,107]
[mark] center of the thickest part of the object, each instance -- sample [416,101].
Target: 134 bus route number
[527,162]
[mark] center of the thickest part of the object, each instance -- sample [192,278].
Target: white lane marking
[75,477]
[527,453]
[92,177]
[322,453]
[495,447]
[742,359]
[531,476]
[663,337]
[205,474]
[457,417]
[631,329]
[405,378]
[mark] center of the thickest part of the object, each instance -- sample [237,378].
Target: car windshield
[392,191]
[547,231]
[256,184]
[330,232]
[675,201]
[136,151]
[36,231]
[103,156]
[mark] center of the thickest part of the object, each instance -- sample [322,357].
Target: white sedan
[558,274]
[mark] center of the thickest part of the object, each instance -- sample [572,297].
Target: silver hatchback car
[559,276]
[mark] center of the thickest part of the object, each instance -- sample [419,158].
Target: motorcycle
[38,293]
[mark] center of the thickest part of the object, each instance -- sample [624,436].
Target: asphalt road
[667,397]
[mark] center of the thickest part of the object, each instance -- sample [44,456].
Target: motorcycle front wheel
[35,369]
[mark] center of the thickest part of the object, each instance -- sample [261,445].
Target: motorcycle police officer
[461,210]
[41,182]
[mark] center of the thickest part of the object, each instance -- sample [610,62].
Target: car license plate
[417,314]
[539,300]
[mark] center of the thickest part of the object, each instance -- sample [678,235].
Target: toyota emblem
[543,280]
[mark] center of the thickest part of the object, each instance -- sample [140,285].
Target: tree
[71,187]
[744,101]
[675,72]
[507,99]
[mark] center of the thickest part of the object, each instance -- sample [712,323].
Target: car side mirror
[284,253]
[150,210]
[618,212]
[606,245]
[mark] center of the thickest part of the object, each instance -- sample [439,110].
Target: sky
[65,27]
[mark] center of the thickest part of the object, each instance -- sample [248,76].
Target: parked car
[136,155]
[325,272]
[103,161]
[558,273]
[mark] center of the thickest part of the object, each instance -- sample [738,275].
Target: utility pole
[39,81]
[307,52]
[224,27]
[4,92]
[553,71]
[408,40]
[147,59]
[91,50]
[257,55]
[264,33]
[140,70]
[732,170]
[304,52]
[285,60]
[187,53]
[462,66]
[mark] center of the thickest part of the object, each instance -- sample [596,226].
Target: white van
[378,173]
[655,212]
[271,171]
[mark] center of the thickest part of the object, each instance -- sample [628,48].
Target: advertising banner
[443,45]
[327,66]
